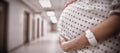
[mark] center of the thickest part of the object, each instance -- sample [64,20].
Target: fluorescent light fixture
[51,13]
[45,3]
[53,19]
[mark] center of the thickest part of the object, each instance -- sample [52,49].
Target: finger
[59,40]
[66,4]
[70,2]
[73,0]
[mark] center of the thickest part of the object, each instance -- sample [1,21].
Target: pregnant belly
[74,20]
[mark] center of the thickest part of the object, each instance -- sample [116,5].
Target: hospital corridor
[30,26]
[59,26]
[47,44]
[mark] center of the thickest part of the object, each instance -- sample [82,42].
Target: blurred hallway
[43,45]
[30,26]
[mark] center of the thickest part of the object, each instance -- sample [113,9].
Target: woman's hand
[62,41]
[69,2]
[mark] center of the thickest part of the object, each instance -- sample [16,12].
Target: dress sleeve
[115,7]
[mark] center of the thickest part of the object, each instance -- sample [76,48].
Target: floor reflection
[46,44]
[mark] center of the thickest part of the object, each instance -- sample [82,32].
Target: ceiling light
[45,3]
[51,13]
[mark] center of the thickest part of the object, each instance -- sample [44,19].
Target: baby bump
[74,20]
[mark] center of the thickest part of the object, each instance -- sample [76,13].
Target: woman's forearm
[108,28]
[102,31]
[79,42]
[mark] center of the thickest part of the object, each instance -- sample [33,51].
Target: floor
[46,44]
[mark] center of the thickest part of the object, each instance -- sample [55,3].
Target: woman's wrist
[91,38]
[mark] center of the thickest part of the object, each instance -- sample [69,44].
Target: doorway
[26,27]
[38,24]
[42,28]
[33,29]
[3,26]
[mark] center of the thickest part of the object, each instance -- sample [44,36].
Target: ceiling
[57,6]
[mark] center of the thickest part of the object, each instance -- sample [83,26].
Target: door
[3,26]
[33,29]
[26,27]
[42,28]
[38,25]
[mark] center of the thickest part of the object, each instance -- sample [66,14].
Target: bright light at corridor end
[53,19]
[51,14]
[45,3]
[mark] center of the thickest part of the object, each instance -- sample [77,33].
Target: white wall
[46,27]
[16,23]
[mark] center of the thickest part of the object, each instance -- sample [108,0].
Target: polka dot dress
[83,15]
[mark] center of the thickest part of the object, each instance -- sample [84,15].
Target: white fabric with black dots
[83,15]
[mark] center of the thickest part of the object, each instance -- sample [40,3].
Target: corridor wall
[16,23]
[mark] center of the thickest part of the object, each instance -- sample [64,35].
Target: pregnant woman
[90,26]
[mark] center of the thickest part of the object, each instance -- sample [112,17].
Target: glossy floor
[46,44]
